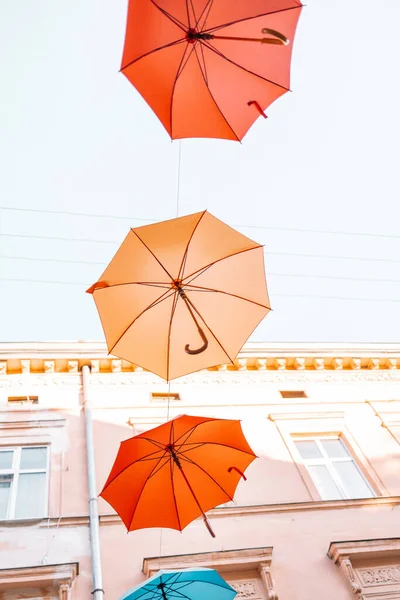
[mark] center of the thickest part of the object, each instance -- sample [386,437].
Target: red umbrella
[209,68]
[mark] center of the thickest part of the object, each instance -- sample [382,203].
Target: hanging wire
[148,220]
[169,383]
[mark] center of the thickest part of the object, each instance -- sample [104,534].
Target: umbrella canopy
[187,584]
[208,68]
[177,284]
[172,474]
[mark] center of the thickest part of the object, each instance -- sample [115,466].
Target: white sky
[75,136]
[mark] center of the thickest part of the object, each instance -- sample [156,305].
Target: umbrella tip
[99,285]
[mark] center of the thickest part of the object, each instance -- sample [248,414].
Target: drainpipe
[97,578]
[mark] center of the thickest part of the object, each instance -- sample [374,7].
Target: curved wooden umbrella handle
[188,350]
[276,34]
[238,471]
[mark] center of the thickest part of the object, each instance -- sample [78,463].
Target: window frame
[15,471]
[329,462]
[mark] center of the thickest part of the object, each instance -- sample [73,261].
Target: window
[332,468]
[164,397]
[23,400]
[293,394]
[23,482]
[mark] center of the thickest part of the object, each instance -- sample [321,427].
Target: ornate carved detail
[280,364]
[265,573]
[242,364]
[25,367]
[347,569]
[319,364]
[300,363]
[391,363]
[337,364]
[95,366]
[246,588]
[116,366]
[355,363]
[49,366]
[261,364]
[73,366]
[64,592]
[3,367]
[373,364]
[380,576]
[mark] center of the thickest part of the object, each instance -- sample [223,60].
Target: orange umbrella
[177,284]
[174,473]
[208,68]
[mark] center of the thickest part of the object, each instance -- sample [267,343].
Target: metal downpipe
[97,577]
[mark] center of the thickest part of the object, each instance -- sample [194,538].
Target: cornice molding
[223,560]
[360,549]
[12,381]
[69,357]
[53,576]
[231,511]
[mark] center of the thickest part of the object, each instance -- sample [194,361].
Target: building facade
[319,514]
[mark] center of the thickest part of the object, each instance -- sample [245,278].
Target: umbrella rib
[232,62]
[135,60]
[200,289]
[178,74]
[141,492]
[204,61]
[174,304]
[153,255]
[206,8]
[215,102]
[190,461]
[227,446]
[187,12]
[159,468]
[157,284]
[202,269]
[267,14]
[183,263]
[171,471]
[162,298]
[131,465]
[175,20]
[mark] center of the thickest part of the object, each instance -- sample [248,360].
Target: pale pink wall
[300,538]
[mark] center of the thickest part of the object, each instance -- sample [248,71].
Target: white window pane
[308,449]
[30,495]
[324,483]
[5,488]
[33,458]
[6,459]
[354,483]
[335,448]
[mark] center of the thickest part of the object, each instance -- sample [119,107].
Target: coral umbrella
[186,584]
[203,65]
[172,474]
[177,284]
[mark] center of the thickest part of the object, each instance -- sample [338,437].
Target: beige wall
[277,507]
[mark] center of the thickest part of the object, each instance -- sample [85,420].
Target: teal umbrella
[187,584]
